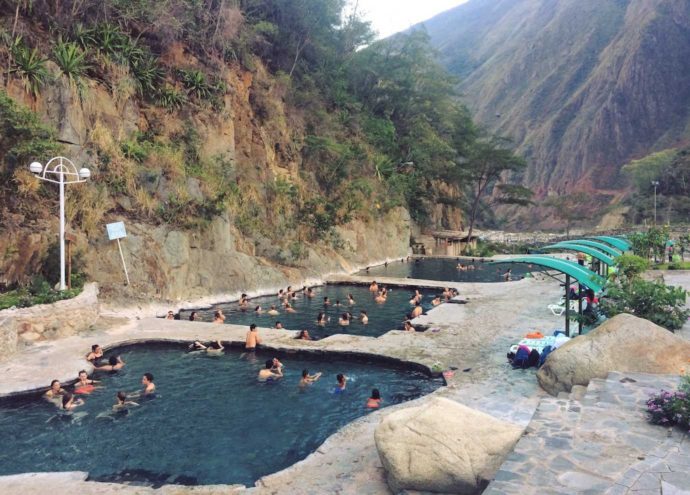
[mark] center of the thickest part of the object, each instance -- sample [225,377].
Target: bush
[70,59]
[30,66]
[671,408]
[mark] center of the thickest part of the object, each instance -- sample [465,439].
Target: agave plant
[170,98]
[83,36]
[195,83]
[109,39]
[147,74]
[31,67]
[130,52]
[70,59]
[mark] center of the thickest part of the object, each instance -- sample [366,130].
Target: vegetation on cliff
[350,132]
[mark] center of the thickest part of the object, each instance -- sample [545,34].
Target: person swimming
[289,308]
[374,401]
[95,355]
[115,363]
[122,403]
[322,319]
[69,402]
[508,275]
[84,385]
[303,335]
[374,287]
[436,301]
[170,316]
[268,372]
[364,318]
[55,392]
[194,316]
[310,293]
[350,300]
[344,320]
[408,326]
[148,386]
[308,379]
[252,338]
[196,346]
[215,348]
[326,301]
[218,316]
[258,310]
[279,325]
[417,311]
[341,383]
[273,311]
[380,297]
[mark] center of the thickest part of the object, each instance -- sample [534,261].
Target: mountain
[581,86]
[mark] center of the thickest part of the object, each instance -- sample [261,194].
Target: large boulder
[623,343]
[443,446]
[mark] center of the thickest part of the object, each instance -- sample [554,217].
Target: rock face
[617,89]
[443,446]
[623,343]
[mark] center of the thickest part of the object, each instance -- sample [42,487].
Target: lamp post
[655,183]
[60,170]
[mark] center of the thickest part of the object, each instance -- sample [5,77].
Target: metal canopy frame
[616,242]
[613,252]
[595,253]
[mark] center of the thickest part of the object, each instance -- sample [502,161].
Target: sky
[391,16]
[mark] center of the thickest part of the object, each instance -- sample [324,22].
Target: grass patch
[23,298]
[682,265]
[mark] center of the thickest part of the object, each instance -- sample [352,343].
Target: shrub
[170,98]
[70,59]
[195,83]
[148,75]
[671,408]
[31,67]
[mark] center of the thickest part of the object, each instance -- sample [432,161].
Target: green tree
[569,208]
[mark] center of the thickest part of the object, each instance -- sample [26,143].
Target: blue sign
[116,230]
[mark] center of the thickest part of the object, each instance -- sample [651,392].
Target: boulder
[443,446]
[623,343]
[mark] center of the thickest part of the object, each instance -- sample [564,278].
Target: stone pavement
[599,443]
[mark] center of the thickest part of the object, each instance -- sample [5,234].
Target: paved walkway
[601,443]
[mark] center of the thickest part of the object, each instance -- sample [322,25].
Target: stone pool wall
[47,321]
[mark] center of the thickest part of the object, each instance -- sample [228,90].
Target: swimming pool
[445,269]
[382,317]
[212,422]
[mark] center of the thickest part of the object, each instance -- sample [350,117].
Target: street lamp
[655,183]
[60,170]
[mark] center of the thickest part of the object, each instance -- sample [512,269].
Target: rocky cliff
[582,86]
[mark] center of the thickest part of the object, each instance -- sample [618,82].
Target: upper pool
[211,421]
[383,317]
[446,269]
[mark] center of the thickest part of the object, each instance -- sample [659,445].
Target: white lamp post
[655,183]
[60,170]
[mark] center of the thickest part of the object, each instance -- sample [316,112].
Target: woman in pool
[380,297]
[303,335]
[374,287]
[310,293]
[364,318]
[218,316]
[408,326]
[273,311]
[350,300]
[374,401]
[194,316]
[95,355]
[170,316]
[258,310]
[122,402]
[114,363]
[342,383]
[56,391]
[149,387]
[279,325]
[270,372]
[215,348]
[308,379]
[417,311]
[84,385]
[436,301]
[289,308]
[69,402]
[344,320]
[322,319]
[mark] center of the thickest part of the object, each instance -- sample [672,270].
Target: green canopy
[616,242]
[614,253]
[583,275]
[595,253]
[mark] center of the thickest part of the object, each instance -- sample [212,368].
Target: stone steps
[597,441]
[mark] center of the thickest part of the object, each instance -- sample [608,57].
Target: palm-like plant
[83,36]
[70,59]
[170,98]
[109,39]
[147,74]
[31,67]
[195,83]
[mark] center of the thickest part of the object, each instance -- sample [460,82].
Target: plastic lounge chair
[559,309]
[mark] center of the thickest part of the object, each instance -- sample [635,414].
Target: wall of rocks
[22,326]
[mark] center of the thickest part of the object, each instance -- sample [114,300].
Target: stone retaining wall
[47,321]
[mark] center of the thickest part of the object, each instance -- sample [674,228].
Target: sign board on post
[116,231]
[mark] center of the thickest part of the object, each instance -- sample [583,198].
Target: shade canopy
[583,275]
[616,242]
[612,252]
[594,253]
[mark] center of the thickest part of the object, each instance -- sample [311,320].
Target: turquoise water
[211,421]
[446,270]
[382,317]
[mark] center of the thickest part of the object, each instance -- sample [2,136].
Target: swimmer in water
[417,311]
[326,301]
[115,363]
[196,346]
[215,348]
[380,297]
[252,338]
[122,402]
[289,308]
[268,374]
[364,318]
[408,326]
[310,293]
[218,317]
[194,316]
[84,385]
[344,320]
[148,386]
[374,401]
[55,392]
[258,310]
[277,366]
[273,311]
[279,325]
[374,287]
[170,316]
[322,319]
[342,383]
[95,354]
[436,301]
[69,402]
[308,379]
[507,276]
[303,335]
[350,300]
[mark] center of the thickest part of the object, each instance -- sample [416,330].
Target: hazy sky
[391,16]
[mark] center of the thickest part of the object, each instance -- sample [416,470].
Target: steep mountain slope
[582,86]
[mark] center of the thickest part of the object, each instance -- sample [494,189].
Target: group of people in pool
[67,401]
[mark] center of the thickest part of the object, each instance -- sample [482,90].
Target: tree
[569,208]
[485,162]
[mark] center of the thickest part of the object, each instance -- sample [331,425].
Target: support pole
[122,257]
[567,305]
[579,309]
[62,227]
[69,264]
